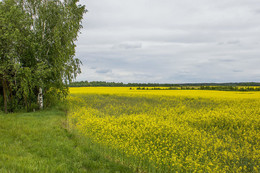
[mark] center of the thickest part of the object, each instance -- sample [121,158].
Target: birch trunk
[40,98]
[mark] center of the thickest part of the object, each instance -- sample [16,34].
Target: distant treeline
[219,88]
[201,85]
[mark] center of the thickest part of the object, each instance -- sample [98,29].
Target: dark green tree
[13,23]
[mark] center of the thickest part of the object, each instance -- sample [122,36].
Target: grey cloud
[127,46]
[233,42]
[224,60]
[220,43]
[257,11]
[168,41]
[93,68]
[237,71]
[104,71]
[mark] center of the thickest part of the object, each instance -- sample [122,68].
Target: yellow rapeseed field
[172,130]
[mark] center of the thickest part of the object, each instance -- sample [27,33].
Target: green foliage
[37,49]
[54,96]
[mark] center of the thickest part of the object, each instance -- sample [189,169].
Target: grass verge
[39,142]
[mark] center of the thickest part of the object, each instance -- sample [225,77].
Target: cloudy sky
[170,41]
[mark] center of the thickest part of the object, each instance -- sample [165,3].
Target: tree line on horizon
[121,84]
[218,88]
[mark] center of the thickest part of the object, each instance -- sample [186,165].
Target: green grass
[41,142]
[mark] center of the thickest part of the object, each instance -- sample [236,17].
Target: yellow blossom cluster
[176,131]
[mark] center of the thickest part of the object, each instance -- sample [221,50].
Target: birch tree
[44,48]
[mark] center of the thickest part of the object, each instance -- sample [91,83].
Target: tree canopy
[37,50]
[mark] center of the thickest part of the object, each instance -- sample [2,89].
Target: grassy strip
[38,142]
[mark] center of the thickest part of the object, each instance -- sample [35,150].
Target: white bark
[40,98]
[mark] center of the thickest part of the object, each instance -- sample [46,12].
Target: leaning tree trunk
[40,98]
